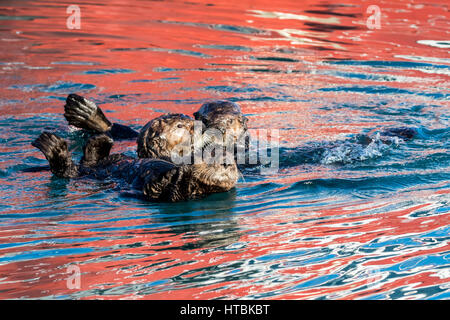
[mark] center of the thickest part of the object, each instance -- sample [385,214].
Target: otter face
[217,177]
[231,126]
[164,135]
[226,176]
[218,171]
[226,117]
[177,132]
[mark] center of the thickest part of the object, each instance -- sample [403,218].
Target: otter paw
[85,114]
[97,148]
[51,145]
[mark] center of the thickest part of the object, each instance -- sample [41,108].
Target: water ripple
[356,210]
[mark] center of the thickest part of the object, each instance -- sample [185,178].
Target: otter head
[226,117]
[166,181]
[215,178]
[166,134]
[217,171]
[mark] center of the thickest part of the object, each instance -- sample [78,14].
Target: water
[343,218]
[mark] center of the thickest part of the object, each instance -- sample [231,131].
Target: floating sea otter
[158,137]
[158,180]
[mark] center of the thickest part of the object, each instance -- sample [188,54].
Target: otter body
[158,180]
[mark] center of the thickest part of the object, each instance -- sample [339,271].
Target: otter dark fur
[158,180]
[211,112]
[57,154]
[401,132]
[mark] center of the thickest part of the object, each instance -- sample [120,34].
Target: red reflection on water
[146,39]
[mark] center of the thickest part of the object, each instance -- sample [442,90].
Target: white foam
[292,16]
[435,43]
[348,152]
[419,58]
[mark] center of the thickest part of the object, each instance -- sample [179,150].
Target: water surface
[341,219]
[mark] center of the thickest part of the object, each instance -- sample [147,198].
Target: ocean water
[345,216]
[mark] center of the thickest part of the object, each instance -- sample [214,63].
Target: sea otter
[158,136]
[158,180]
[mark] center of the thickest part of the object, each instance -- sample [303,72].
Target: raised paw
[85,114]
[50,145]
[57,153]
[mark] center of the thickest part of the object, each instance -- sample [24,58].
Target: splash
[349,152]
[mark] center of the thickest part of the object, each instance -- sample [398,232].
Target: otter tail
[85,114]
[96,149]
[55,150]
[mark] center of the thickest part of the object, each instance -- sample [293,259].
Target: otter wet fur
[160,136]
[158,180]
[225,116]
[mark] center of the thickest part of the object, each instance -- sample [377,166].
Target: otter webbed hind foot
[57,153]
[85,114]
[97,148]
